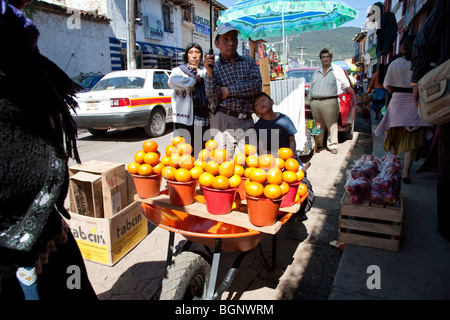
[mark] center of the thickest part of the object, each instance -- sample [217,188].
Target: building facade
[90,36]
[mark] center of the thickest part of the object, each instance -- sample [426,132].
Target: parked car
[125,99]
[347,101]
[87,82]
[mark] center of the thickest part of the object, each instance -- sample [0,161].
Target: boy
[270,121]
[265,126]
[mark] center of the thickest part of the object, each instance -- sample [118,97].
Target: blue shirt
[281,128]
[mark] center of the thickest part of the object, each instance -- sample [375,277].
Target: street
[306,262]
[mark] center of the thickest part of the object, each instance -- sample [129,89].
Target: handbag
[434,95]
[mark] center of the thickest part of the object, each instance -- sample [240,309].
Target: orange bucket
[181,193]
[147,186]
[240,192]
[289,198]
[219,201]
[262,212]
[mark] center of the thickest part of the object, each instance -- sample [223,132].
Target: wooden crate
[370,225]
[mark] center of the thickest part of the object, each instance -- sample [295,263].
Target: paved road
[306,262]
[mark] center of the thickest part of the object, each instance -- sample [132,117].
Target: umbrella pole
[284,47]
[211,26]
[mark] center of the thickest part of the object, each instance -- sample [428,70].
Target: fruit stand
[220,206]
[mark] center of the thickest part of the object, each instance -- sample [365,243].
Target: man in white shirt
[327,84]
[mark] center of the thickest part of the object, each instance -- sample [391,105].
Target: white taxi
[126,99]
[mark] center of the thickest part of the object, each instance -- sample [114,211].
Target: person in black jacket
[432,48]
[38,135]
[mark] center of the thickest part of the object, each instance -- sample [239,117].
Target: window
[167,18]
[160,80]
[120,83]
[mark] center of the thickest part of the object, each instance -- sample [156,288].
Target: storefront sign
[154,28]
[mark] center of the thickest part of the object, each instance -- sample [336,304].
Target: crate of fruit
[371,210]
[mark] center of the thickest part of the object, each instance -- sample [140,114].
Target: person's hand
[208,62]
[224,91]
[416,95]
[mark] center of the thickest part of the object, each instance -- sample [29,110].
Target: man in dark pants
[432,46]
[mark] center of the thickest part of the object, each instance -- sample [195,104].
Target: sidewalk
[420,270]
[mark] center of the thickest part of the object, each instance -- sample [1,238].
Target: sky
[359,5]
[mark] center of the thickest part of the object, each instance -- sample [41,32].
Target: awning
[160,50]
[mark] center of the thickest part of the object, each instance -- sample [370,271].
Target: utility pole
[131,34]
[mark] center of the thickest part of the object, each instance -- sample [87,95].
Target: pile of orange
[269,176]
[146,161]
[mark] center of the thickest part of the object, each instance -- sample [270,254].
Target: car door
[162,89]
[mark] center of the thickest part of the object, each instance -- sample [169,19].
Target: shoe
[333,151]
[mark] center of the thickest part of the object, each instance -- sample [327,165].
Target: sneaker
[333,151]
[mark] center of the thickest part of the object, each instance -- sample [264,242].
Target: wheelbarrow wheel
[186,278]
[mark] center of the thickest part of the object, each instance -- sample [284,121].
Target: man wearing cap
[231,84]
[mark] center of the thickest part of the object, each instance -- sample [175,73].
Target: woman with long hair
[189,103]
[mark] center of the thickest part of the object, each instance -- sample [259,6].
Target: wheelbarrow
[190,274]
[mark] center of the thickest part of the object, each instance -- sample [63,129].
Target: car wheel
[97,132]
[157,124]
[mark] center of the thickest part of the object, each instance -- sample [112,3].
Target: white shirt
[332,83]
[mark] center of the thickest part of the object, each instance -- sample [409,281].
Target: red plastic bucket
[289,198]
[240,192]
[219,201]
[181,193]
[262,212]
[147,186]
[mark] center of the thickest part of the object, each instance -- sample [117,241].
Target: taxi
[127,99]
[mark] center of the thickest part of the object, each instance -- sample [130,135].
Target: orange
[248,171]
[200,163]
[166,160]
[254,189]
[279,163]
[226,169]
[203,155]
[284,188]
[220,182]
[168,172]
[183,175]
[239,159]
[274,176]
[302,189]
[212,167]
[219,155]
[285,153]
[211,145]
[196,171]
[149,146]
[249,149]
[184,148]
[139,156]
[206,179]
[291,164]
[177,140]
[252,161]
[239,170]
[272,191]
[235,180]
[158,167]
[145,169]
[175,159]
[297,198]
[300,175]
[133,167]
[169,149]
[258,175]
[186,161]
[266,161]
[151,158]
[289,176]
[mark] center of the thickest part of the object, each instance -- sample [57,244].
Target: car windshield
[119,83]
[306,74]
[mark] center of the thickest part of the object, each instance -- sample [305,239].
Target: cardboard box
[117,188]
[107,240]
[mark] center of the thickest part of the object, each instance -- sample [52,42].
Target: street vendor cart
[192,274]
